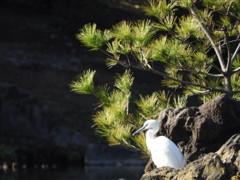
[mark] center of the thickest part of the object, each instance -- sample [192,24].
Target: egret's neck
[151,134]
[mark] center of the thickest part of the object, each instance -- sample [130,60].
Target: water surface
[88,173]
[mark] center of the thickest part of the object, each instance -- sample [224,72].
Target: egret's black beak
[139,130]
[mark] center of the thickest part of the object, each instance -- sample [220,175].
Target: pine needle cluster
[114,120]
[84,83]
[197,45]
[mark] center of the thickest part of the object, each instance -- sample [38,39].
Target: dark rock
[203,129]
[164,173]
[221,165]
[97,154]
[230,155]
[67,138]
[208,167]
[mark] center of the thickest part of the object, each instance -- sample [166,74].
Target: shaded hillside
[40,56]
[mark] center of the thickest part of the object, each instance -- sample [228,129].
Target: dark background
[39,57]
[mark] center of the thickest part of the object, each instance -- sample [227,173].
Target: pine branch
[106,53]
[228,85]
[228,9]
[233,41]
[197,91]
[235,53]
[128,60]
[204,73]
[209,36]
[173,34]
[171,78]
[167,76]
[145,59]
[233,15]
[228,12]
[236,70]
[229,61]
[186,82]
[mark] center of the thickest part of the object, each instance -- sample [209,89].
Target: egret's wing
[166,153]
[177,156]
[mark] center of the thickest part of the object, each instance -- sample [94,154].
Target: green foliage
[113,47]
[124,82]
[101,92]
[160,9]
[208,96]
[236,96]
[236,81]
[225,21]
[196,51]
[173,52]
[189,27]
[112,121]
[123,31]
[216,5]
[140,142]
[158,49]
[165,98]
[149,106]
[92,37]
[166,24]
[185,3]
[178,53]
[130,35]
[179,101]
[143,32]
[236,63]
[120,135]
[84,83]
[206,16]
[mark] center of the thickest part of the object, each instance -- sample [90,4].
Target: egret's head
[148,125]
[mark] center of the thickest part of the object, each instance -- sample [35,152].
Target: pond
[87,173]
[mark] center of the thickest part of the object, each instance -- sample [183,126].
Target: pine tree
[195,41]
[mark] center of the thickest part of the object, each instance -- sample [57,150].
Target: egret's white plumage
[163,151]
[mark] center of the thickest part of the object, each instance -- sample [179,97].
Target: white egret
[163,151]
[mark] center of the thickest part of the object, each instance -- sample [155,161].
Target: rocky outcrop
[221,165]
[203,129]
[230,156]
[208,136]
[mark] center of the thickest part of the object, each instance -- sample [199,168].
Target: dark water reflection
[88,173]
